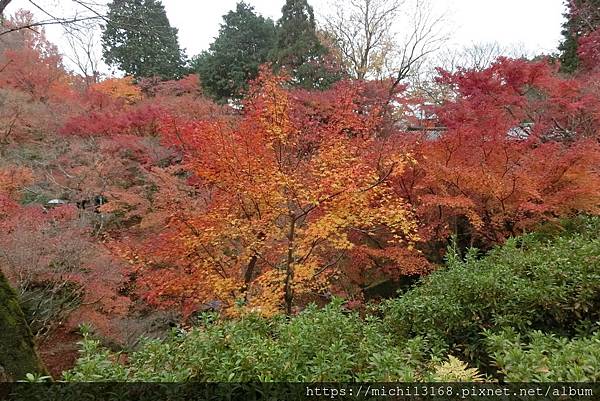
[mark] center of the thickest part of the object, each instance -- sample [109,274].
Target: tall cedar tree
[582,18]
[139,40]
[299,49]
[244,43]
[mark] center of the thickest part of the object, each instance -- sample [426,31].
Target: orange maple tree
[30,63]
[13,179]
[119,88]
[285,198]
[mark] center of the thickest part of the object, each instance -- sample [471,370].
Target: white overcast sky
[533,25]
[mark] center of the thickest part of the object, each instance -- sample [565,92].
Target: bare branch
[61,21]
[379,39]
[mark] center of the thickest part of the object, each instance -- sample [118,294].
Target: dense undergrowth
[527,311]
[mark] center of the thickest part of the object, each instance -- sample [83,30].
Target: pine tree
[139,40]
[299,49]
[582,18]
[244,43]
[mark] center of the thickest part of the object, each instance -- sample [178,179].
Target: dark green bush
[526,284]
[580,224]
[327,344]
[545,357]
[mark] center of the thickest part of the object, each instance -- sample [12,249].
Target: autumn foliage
[288,198]
[520,147]
[32,64]
[146,193]
[122,89]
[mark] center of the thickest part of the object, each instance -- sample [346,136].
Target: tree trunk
[3,4]
[248,274]
[289,276]
[17,350]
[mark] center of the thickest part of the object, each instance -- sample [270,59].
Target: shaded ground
[59,351]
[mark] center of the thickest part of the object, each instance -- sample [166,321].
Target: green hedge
[318,345]
[527,284]
[544,357]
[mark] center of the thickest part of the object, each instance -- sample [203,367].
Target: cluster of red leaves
[154,87]
[589,50]
[584,16]
[30,63]
[118,108]
[36,93]
[520,147]
[54,249]
[113,107]
[516,96]
[139,120]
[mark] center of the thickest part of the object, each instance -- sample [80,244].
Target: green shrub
[580,224]
[545,357]
[327,344]
[526,284]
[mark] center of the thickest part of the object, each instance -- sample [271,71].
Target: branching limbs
[379,39]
